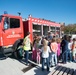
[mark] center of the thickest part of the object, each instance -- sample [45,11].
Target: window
[6,23]
[14,23]
[0,18]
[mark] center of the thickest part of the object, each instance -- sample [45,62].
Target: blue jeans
[26,56]
[69,54]
[50,56]
[64,56]
[47,62]
[54,58]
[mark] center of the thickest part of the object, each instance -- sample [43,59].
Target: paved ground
[37,70]
[10,66]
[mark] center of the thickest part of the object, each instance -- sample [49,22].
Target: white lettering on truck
[12,36]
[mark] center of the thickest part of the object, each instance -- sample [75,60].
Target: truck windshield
[0,18]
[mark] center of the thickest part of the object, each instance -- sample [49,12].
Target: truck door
[11,30]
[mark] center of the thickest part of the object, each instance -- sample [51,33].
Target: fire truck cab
[11,31]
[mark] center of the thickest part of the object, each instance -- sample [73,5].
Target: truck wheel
[1,52]
[15,47]
[15,54]
[6,52]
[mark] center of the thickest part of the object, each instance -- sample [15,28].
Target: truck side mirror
[6,23]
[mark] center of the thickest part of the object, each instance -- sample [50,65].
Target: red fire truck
[13,29]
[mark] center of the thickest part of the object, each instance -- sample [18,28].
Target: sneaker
[39,65]
[48,69]
[70,61]
[42,69]
[56,64]
[28,64]
[75,61]
[64,62]
[52,65]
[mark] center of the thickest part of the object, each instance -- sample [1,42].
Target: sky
[60,11]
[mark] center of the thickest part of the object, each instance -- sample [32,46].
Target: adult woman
[26,47]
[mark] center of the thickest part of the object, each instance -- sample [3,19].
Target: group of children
[64,48]
[50,51]
[47,51]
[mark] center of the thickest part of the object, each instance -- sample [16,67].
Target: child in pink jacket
[58,50]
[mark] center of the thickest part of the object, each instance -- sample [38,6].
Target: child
[20,52]
[35,49]
[45,54]
[34,53]
[69,50]
[54,48]
[74,49]
[58,50]
[38,57]
[38,50]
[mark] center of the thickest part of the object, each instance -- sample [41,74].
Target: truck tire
[1,52]
[6,52]
[15,47]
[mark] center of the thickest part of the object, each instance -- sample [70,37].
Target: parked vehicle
[13,30]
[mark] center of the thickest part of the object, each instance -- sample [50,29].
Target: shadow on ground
[39,71]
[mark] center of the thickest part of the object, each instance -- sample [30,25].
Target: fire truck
[13,30]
